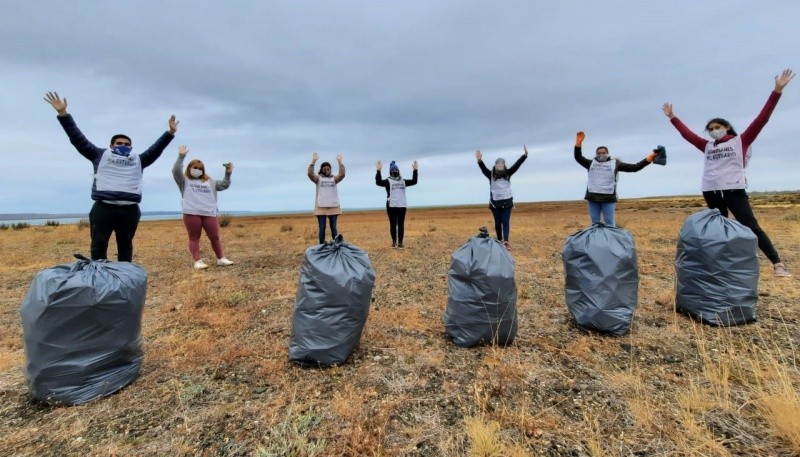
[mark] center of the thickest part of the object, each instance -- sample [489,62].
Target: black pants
[123,220]
[397,223]
[737,201]
[502,222]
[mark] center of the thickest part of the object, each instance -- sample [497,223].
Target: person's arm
[413,180]
[154,152]
[340,176]
[177,167]
[634,167]
[751,132]
[379,181]
[311,175]
[518,163]
[687,134]
[583,161]
[486,172]
[76,137]
[226,181]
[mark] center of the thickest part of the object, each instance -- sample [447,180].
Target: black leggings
[737,201]
[397,222]
[123,220]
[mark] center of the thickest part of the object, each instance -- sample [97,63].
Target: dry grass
[216,380]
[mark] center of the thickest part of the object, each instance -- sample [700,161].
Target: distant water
[145,217]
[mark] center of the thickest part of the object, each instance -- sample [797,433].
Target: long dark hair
[325,164]
[722,122]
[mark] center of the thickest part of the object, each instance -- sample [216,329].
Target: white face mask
[195,173]
[717,134]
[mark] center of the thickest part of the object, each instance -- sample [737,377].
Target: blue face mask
[122,150]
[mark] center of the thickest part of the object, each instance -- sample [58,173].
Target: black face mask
[395,174]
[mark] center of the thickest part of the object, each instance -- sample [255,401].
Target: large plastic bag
[333,298]
[601,283]
[482,294]
[716,270]
[81,324]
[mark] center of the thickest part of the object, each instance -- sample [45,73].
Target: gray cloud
[264,85]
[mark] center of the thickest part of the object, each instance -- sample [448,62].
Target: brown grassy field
[216,379]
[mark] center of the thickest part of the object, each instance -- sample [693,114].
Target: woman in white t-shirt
[726,156]
[501,199]
[326,202]
[199,205]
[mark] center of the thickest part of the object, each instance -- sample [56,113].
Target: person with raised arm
[396,198]
[601,190]
[199,205]
[117,184]
[326,201]
[726,157]
[501,200]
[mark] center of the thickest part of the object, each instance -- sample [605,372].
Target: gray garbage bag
[482,294]
[332,304]
[716,270]
[81,325]
[601,283]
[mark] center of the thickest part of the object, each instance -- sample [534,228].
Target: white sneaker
[224,262]
[780,270]
[200,265]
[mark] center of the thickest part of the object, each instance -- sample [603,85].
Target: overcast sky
[264,84]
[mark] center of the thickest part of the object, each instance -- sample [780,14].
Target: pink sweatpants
[210,224]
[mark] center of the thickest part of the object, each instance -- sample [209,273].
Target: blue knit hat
[393,167]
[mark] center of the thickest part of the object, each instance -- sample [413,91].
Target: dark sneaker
[400,246]
[507,245]
[394,244]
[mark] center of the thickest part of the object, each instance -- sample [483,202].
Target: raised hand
[339,158]
[780,81]
[314,158]
[378,165]
[182,151]
[525,148]
[229,168]
[55,101]
[667,109]
[652,156]
[579,137]
[173,124]
[478,155]
[415,166]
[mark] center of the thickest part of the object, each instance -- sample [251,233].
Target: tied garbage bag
[333,297]
[482,294]
[81,324]
[601,283]
[716,270]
